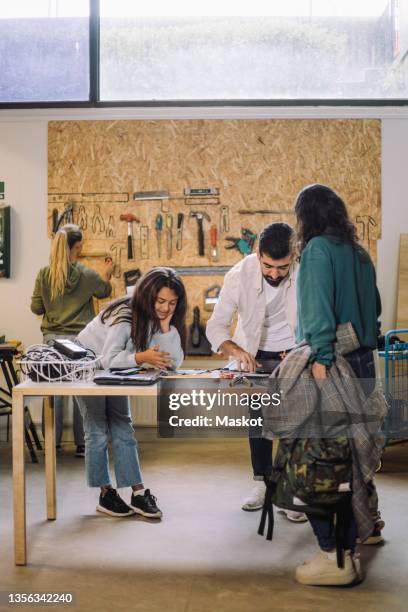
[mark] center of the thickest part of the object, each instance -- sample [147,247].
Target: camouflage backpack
[311,475]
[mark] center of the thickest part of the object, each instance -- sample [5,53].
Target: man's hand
[245,361]
[319,371]
[155,357]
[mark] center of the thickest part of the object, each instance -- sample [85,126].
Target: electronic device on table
[127,377]
[70,349]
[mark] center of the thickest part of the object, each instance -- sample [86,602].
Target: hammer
[129,218]
[200,215]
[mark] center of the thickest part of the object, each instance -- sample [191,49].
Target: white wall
[394,213]
[23,167]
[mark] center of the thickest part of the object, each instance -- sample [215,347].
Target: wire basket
[43,363]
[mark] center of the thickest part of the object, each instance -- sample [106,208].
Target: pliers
[244,244]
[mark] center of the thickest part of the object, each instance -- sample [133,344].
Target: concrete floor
[205,555]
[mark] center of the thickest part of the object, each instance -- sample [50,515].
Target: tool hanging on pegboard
[54,220]
[67,216]
[202,196]
[245,244]
[179,240]
[131,277]
[110,230]
[159,230]
[200,215]
[144,241]
[169,230]
[129,218]
[205,196]
[202,270]
[224,219]
[197,342]
[98,224]
[82,218]
[160,196]
[264,211]
[213,243]
[117,249]
[211,297]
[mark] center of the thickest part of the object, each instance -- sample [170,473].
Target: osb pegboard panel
[255,164]
[402,305]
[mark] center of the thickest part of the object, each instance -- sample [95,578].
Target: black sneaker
[145,505]
[111,503]
[80,451]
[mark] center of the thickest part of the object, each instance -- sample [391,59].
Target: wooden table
[47,390]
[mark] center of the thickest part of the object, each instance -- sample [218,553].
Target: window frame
[95,102]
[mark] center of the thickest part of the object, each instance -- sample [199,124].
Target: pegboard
[255,165]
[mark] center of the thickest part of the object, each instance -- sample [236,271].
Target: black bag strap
[343,516]
[270,484]
[267,511]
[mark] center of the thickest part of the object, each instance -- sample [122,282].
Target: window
[44,51]
[304,49]
[114,52]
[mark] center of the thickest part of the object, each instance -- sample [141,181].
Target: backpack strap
[267,510]
[270,484]
[340,538]
[343,517]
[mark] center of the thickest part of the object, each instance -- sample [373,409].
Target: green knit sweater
[71,311]
[336,284]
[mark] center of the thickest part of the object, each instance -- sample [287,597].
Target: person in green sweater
[63,295]
[336,284]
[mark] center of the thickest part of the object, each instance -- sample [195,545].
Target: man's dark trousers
[261,449]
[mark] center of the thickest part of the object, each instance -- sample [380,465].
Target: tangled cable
[43,363]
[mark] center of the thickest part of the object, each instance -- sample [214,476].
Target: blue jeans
[362,363]
[109,419]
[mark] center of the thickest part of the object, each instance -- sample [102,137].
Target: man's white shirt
[244,292]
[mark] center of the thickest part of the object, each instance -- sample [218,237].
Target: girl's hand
[319,371]
[165,324]
[108,268]
[155,357]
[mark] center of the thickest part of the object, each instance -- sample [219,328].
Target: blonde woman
[63,294]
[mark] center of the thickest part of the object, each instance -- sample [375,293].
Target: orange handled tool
[129,218]
[213,242]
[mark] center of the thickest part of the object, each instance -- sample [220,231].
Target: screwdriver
[159,227]
[213,242]
[180,221]
[169,226]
